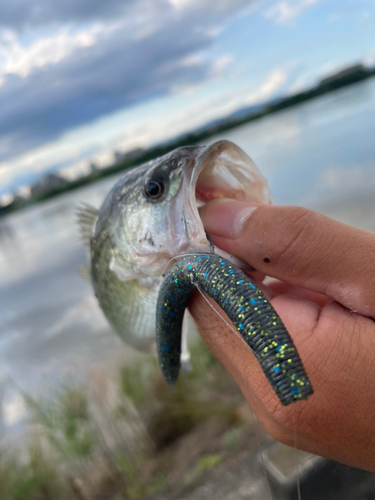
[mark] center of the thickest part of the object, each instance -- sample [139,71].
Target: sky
[80,79]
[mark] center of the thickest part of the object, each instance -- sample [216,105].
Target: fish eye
[156,184]
[154,189]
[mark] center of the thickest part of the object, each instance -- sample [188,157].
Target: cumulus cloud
[92,82]
[283,12]
[76,75]
[269,87]
[96,142]
[223,5]
[201,111]
[23,14]
[220,65]
[18,60]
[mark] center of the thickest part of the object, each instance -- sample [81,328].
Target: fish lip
[248,169]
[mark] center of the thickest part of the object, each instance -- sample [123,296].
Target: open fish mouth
[174,227]
[222,170]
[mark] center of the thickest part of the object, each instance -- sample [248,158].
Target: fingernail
[225,218]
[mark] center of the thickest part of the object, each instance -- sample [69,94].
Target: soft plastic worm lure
[250,312]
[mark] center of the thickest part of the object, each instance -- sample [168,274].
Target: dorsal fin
[86,215]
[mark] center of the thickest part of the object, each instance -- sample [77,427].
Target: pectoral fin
[84,272]
[87,216]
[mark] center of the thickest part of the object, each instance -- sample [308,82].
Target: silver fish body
[151,216]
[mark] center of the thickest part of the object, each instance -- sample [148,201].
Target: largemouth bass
[151,217]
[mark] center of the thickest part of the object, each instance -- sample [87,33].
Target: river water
[320,154]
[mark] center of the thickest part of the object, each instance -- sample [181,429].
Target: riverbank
[324,87]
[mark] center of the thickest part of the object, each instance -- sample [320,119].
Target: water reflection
[49,320]
[319,151]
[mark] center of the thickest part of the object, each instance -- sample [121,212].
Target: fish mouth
[222,170]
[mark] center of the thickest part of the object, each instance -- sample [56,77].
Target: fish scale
[250,311]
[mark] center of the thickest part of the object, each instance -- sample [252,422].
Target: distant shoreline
[343,79]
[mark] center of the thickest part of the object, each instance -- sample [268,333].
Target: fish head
[153,211]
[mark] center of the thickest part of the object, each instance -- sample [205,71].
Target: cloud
[332,67]
[283,12]
[19,60]
[152,124]
[73,76]
[189,117]
[94,81]
[220,65]
[302,82]
[23,14]
[311,76]
[269,87]
[220,5]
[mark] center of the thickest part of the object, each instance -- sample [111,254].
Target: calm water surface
[320,154]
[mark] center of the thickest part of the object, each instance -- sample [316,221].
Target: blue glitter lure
[250,312]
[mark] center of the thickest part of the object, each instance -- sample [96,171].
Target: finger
[255,275]
[300,247]
[279,287]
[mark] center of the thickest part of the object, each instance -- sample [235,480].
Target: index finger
[300,247]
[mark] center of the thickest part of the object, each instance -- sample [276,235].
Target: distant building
[134,154]
[76,171]
[94,168]
[22,193]
[6,200]
[345,73]
[118,157]
[130,155]
[49,182]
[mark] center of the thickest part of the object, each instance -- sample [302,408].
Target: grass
[208,462]
[37,478]
[90,450]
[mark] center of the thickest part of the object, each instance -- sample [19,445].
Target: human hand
[324,293]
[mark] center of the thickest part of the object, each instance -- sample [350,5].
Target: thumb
[298,246]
